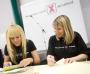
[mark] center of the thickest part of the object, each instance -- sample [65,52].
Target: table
[58,68]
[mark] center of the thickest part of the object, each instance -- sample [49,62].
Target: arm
[25,62]
[29,61]
[7,61]
[81,48]
[50,50]
[32,49]
[36,58]
[6,58]
[50,53]
[79,57]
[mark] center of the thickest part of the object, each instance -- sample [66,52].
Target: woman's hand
[50,60]
[7,64]
[80,57]
[69,60]
[25,62]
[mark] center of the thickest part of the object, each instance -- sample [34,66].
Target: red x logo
[52,8]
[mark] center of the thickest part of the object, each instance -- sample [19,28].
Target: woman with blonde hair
[66,43]
[18,49]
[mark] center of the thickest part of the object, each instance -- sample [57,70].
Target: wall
[6,17]
[85,6]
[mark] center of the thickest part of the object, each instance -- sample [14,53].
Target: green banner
[17,12]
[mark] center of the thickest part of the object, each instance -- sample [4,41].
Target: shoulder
[77,34]
[30,45]
[78,37]
[29,41]
[53,37]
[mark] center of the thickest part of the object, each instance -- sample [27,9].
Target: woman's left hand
[25,62]
[80,57]
[69,60]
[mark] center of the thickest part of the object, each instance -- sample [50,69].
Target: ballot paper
[61,61]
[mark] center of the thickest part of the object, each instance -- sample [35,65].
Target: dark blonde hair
[14,30]
[64,21]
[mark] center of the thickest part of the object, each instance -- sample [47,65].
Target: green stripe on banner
[17,12]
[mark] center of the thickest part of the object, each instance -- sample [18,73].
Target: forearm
[80,57]
[25,62]
[6,59]
[36,61]
[36,57]
[31,60]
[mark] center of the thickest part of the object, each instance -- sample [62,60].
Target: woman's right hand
[50,60]
[25,62]
[7,64]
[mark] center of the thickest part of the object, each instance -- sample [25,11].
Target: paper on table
[61,62]
[1,69]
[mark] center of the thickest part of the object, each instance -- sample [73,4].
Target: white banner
[38,16]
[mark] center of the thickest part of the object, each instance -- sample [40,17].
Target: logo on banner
[52,8]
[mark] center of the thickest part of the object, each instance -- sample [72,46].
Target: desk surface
[58,68]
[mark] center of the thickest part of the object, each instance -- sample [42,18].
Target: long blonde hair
[12,31]
[64,21]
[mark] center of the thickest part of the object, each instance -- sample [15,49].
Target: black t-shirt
[30,47]
[59,49]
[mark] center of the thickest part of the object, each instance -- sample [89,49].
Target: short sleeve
[5,50]
[30,45]
[81,46]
